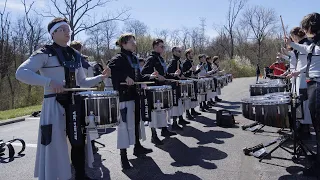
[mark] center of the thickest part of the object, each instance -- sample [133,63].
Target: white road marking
[27,145]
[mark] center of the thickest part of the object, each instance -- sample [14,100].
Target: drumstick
[123,83]
[284,31]
[104,64]
[80,89]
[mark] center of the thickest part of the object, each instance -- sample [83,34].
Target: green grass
[13,113]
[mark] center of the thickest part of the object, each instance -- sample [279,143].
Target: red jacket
[276,67]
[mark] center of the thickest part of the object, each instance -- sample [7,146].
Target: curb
[14,120]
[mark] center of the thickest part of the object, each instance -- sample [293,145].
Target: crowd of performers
[62,66]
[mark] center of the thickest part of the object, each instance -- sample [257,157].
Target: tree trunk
[12,92]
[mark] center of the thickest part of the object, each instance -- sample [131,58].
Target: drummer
[311,25]
[174,68]
[211,71]
[125,68]
[189,71]
[278,67]
[52,160]
[299,36]
[216,69]
[155,69]
[201,71]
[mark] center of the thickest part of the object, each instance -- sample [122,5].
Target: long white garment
[194,104]
[211,94]
[203,71]
[126,130]
[159,119]
[300,81]
[186,104]
[52,161]
[177,110]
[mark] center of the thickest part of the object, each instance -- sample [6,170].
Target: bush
[239,67]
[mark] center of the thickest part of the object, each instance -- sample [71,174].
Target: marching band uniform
[201,67]
[178,108]
[52,160]
[187,72]
[215,68]
[158,119]
[210,94]
[313,84]
[130,128]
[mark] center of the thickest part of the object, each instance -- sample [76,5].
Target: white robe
[52,161]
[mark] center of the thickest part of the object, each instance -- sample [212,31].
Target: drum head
[185,81]
[110,93]
[254,99]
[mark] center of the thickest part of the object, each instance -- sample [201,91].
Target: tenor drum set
[269,104]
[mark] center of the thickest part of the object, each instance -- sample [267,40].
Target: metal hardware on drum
[80,89]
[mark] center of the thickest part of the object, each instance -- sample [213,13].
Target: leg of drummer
[175,126]
[154,137]
[138,148]
[314,106]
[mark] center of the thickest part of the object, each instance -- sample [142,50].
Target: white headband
[56,26]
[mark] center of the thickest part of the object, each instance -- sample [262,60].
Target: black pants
[78,158]
[137,117]
[314,106]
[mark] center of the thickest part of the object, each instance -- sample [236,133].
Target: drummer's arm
[304,49]
[26,72]
[118,75]
[148,69]
[84,81]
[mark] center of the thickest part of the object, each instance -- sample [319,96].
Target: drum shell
[163,97]
[256,90]
[272,114]
[105,108]
[187,90]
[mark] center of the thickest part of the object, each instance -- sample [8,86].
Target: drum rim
[158,88]
[111,93]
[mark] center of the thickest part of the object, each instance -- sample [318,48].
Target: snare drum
[104,105]
[272,112]
[201,86]
[187,89]
[209,83]
[159,97]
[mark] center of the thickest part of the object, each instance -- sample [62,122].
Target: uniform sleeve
[304,49]
[84,81]
[117,73]
[272,66]
[186,69]
[27,71]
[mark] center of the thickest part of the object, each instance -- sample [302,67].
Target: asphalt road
[201,151]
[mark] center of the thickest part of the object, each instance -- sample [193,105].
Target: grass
[13,113]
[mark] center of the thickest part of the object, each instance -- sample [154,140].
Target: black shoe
[194,112]
[209,103]
[124,161]
[183,122]
[203,110]
[155,140]
[140,151]
[189,117]
[217,99]
[176,127]
[166,133]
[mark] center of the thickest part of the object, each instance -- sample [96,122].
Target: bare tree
[136,27]
[202,37]
[162,34]
[235,6]
[34,34]
[78,13]
[96,40]
[110,31]
[262,22]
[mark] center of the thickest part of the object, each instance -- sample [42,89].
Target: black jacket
[154,62]
[173,66]
[121,68]
[187,65]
